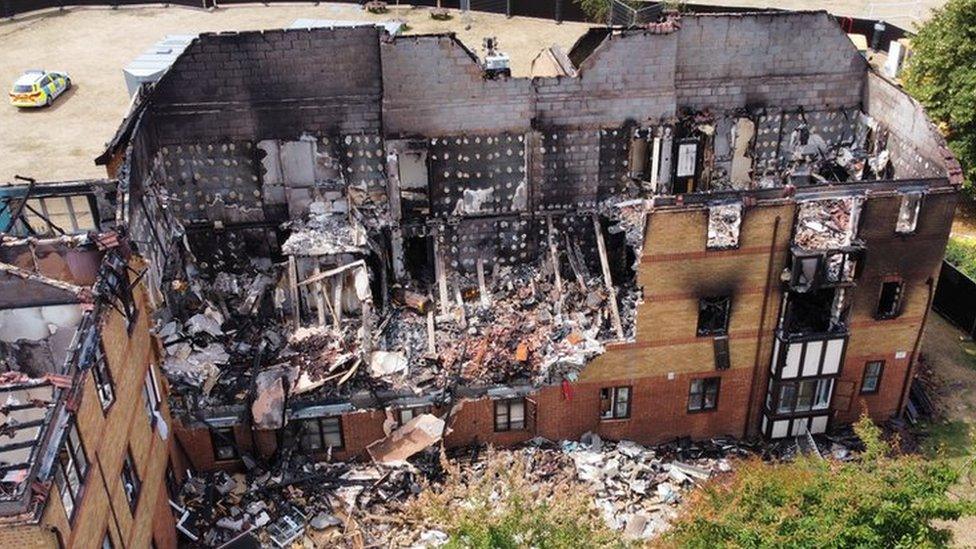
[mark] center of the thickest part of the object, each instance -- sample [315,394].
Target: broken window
[103,378]
[72,469]
[872,377]
[131,484]
[804,396]
[721,348]
[908,213]
[889,302]
[510,415]
[703,394]
[322,433]
[686,166]
[713,315]
[72,214]
[724,222]
[406,414]
[224,443]
[615,403]
[150,392]
[116,280]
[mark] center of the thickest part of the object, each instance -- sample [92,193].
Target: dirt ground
[93,45]
[950,363]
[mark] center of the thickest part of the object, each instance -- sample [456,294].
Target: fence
[955,298]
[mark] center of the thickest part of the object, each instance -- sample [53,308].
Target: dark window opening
[103,378]
[615,402]
[131,484]
[703,394]
[321,433]
[224,443]
[510,415]
[117,283]
[713,315]
[889,302]
[418,260]
[72,468]
[872,377]
[811,312]
[721,347]
[107,541]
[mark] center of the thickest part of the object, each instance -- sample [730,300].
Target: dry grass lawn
[93,45]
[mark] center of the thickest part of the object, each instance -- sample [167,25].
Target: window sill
[615,419]
[703,411]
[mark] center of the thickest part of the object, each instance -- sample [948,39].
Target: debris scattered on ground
[636,489]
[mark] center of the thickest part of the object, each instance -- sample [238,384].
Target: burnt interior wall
[917,149]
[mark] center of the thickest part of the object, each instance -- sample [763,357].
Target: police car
[39,88]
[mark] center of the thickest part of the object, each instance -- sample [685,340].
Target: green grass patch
[961,252]
[949,439]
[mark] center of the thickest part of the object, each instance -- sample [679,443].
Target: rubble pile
[636,489]
[325,232]
[827,224]
[724,223]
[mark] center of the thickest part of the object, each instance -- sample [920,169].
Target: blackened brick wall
[272,84]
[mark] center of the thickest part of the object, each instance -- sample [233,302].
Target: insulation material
[724,222]
[37,323]
[614,162]
[740,171]
[213,182]
[568,161]
[363,163]
[477,175]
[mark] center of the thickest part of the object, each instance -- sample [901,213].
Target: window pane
[804,397]
[623,394]
[823,394]
[333,440]
[517,412]
[696,386]
[312,442]
[787,398]
[710,398]
[695,401]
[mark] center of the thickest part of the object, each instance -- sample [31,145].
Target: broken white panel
[799,427]
[811,361]
[297,160]
[687,159]
[271,162]
[780,428]
[37,323]
[742,134]
[724,222]
[818,425]
[832,356]
[792,368]
[387,363]
[908,213]
[475,201]
[416,435]
[772,365]
[413,170]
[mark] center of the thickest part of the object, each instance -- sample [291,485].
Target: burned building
[359,244]
[85,432]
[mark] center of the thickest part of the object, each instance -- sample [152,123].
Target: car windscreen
[23,88]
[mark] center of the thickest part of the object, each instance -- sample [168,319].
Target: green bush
[961,252]
[880,500]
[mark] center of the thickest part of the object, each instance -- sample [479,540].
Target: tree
[879,500]
[596,10]
[941,74]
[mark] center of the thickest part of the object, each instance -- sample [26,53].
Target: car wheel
[67,84]
[47,102]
